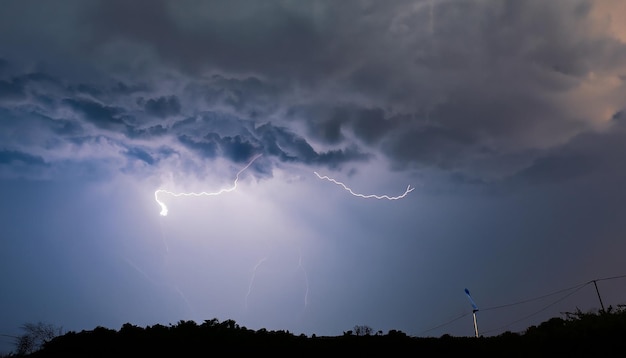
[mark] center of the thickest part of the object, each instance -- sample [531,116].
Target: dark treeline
[600,334]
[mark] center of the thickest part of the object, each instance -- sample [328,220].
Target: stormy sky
[505,118]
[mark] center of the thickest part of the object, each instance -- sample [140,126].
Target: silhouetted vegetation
[599,334]
[35,336]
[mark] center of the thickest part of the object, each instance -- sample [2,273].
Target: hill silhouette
[599,334]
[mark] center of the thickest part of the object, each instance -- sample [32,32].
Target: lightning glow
[164,210]
[366,196]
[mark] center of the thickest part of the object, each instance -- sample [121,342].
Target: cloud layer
[478,88]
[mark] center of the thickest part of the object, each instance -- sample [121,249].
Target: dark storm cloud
[235,148]
[436,146]
[214,134]
[399,79]
[122,113]
[106,90]
[140,154]
[31,84]
[557,168]
[273,141]
[12,156]
[205,148]
[250,96]
[65,128]
[290,147]
[21,124]
[147,133]
[370,124]
[161,107]
[231,35]
[509,93]
[83,88]
[588,155]
[11,90]
[226,124]
[284,144]
[103,116]
[18,87]
[330,125]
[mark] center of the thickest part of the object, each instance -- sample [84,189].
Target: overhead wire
[575,289]
[541,310]
[535,298]
[445,324]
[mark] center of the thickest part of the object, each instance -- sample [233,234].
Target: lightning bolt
[157,283]
[300,266]
[164,210]
[252,279]
[306,281]
[367,196]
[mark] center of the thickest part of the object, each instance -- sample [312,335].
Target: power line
[541,310]
[445,324]
[609,278]
[576,288]
[535,298]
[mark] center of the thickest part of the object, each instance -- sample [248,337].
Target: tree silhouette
[591,334]
[35,336]
[362,330]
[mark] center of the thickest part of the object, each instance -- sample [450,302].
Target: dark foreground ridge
[601,334]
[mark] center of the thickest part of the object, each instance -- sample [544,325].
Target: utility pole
[475,325]
[598,292]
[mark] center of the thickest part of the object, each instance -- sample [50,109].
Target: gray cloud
[397,81]
[103,116]
[11,90]
[140,154]
[118,115]
[147,133]
[161,107]
[595,156]
[12,156]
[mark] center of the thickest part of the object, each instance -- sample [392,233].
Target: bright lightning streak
[368,196]
[164,210]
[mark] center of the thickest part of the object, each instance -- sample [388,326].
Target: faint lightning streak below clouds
[156,283]
[369,196]
[252,279]
[306,281]
[204,193]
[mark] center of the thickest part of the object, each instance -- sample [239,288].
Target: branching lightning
[164,210]
[366,196]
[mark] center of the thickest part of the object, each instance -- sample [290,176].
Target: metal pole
[475,309]
[598,292]
[475,325]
